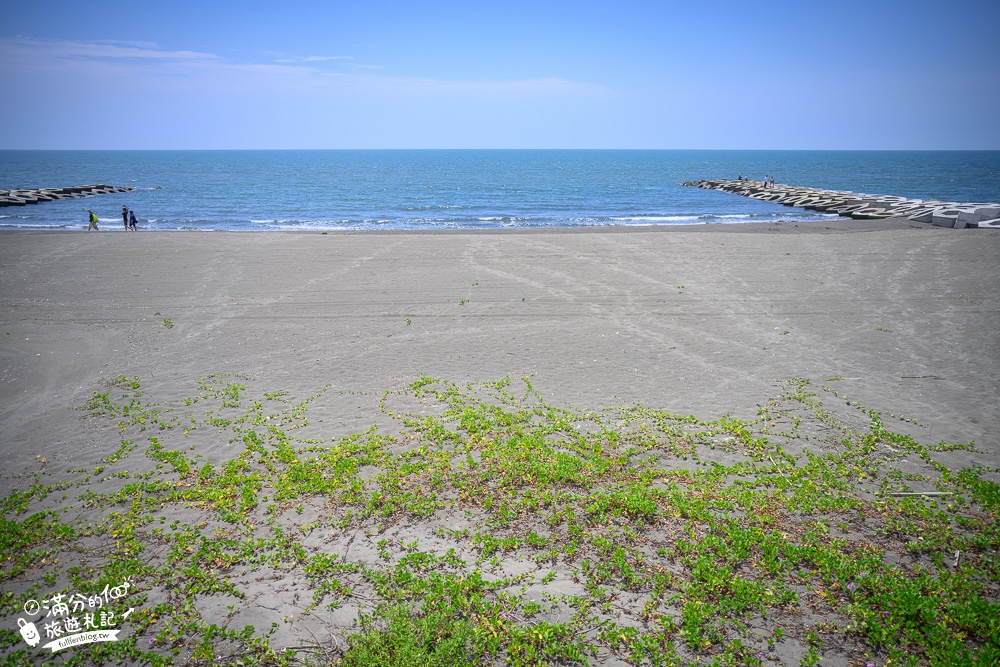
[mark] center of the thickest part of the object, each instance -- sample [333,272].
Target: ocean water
[464,189]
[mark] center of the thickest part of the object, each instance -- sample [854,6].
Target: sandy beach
[703,320]
[700,319]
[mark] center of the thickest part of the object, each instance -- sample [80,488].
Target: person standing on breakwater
[125,216]
[131,220]
[93,221]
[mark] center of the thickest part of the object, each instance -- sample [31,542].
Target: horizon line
[748,150]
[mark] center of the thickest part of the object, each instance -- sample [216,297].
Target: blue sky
[511,74]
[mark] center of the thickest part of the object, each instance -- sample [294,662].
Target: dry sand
[705,320]
[699,320]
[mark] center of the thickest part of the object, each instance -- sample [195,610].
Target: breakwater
[858,205]
[35,195]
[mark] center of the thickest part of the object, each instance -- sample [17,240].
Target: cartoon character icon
[29,632]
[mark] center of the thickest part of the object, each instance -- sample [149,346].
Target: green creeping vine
[485,526]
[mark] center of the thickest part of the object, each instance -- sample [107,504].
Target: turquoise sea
[464,189]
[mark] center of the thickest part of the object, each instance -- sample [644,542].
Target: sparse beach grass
[479,524]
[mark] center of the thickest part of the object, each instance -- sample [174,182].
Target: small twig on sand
[924,493]
[311,648]
[360,596]
[776,469]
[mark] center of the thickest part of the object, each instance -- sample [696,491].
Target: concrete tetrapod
[859,205]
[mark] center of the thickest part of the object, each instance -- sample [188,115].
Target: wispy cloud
[64,49]
[310,59]
[149,65]
[492,89]
[138,94]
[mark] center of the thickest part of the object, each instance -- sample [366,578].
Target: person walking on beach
[131,220]
[93,221]
[125,216]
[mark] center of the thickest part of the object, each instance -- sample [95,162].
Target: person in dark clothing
[93,221]
[131,220]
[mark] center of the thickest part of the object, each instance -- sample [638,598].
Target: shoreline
[831,225]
